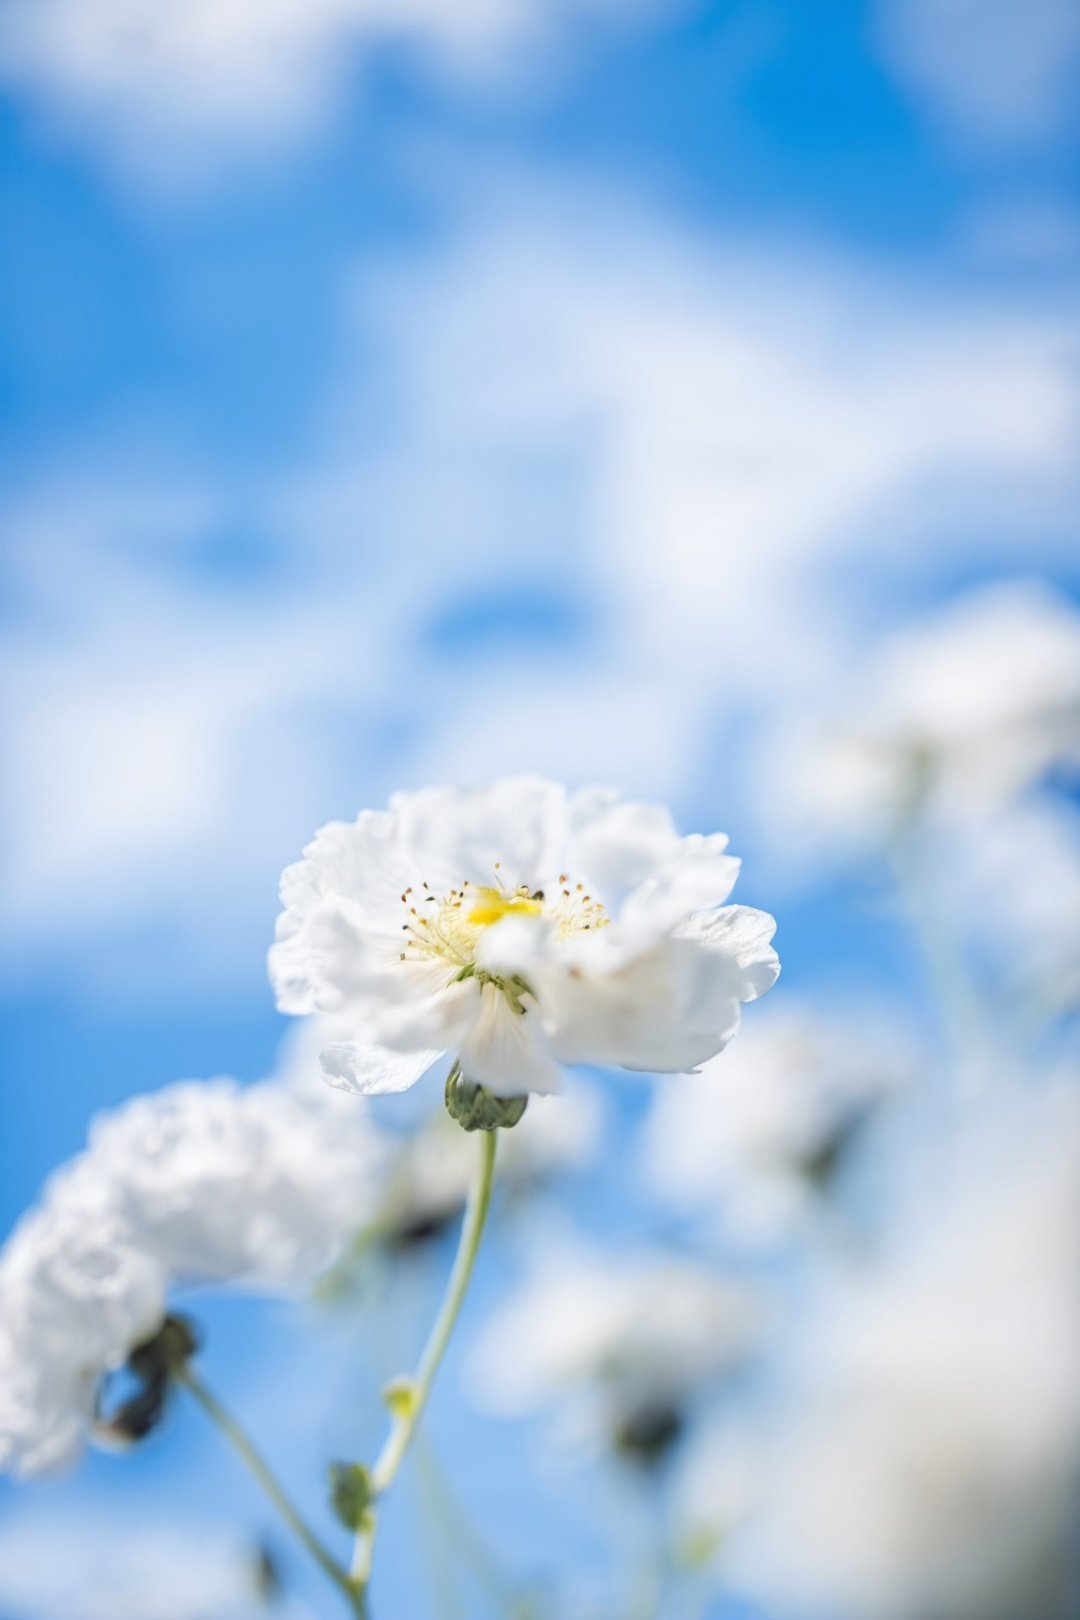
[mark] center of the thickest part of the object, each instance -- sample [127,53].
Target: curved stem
[245,1447]
[414,1395]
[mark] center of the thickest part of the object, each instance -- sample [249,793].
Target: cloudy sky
[407,392]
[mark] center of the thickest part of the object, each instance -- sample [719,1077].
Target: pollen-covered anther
[452,930]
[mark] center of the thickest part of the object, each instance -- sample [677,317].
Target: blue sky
[589,398]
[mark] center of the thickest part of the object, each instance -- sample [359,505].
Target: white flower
[228,1183]
[195,1183]
[77,1294]
[958,713]
[716,1487]
[613,1336]
[925,1454]
[748,1140]
[520,929]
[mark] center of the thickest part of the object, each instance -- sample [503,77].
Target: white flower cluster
[745,1143]
[514,927]
[956,715]
[199,1182]
[612,1338]
[924,1454]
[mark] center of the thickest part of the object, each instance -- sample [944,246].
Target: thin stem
[408,1412]
[245,1447]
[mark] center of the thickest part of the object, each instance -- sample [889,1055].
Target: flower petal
[458,834]
[373,1070]
[507,1051]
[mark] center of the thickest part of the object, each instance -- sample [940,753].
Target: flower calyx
[153,1365]
[475,1108]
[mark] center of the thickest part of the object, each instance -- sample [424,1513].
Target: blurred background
[671,395]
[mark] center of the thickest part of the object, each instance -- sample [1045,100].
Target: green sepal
[475,1108]
[166,1351]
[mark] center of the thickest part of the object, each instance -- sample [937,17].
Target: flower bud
[475,1108]
[350,1493]
[646,1434]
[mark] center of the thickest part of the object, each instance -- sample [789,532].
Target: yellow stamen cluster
[449,929]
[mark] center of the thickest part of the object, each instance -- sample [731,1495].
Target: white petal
[372,1070]
[512,946]
[744,934]
[439,1021]
[458,834]
[700,874]
[671,1008]
[613,846]
[357,868]
[507,1050]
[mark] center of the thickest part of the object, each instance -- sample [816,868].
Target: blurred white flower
[77,1294]
[750,1142]
[149,1571]
[519,928]
[1015,892]
[198,1182]
[232,1183]
[925,1454]
[958,713]
[623,1343]
[716,1486]
[429,1177]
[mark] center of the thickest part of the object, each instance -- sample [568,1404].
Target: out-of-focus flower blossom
[428,1179]
[146,1571]
[198,1182]
[753,1141]
[1014,892]
[225,1182]
[77,1294]
[715,1489]
[960,712]
[625,1344]
[925,1450]
[521,929]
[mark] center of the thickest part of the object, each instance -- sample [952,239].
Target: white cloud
[619,484]
[163,89]
[151,1571]
[995,70]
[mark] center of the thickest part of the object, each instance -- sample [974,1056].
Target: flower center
[449,929]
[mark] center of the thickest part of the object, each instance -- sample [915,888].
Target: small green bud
[350,1493]
[400,1396]
[475,1108]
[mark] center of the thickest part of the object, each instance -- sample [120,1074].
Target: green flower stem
[407,1402]
[253,1458]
